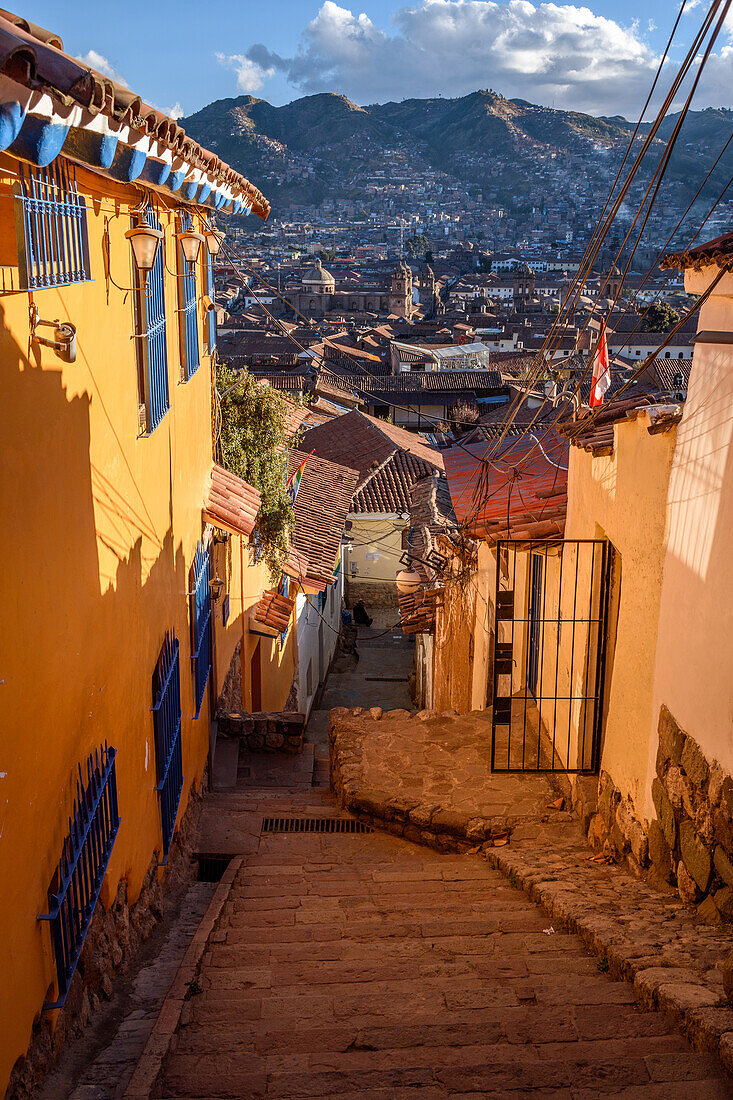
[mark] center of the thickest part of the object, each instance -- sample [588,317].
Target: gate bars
[551,612]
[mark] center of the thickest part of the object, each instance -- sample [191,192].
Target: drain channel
[314,825]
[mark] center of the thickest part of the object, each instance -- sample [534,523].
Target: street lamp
[408,581]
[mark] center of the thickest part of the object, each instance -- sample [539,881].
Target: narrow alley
[356,964]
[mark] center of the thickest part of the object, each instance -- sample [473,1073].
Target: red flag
[601,371]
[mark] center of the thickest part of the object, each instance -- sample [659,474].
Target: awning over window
[231,502]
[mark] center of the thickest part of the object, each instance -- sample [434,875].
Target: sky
[179,55]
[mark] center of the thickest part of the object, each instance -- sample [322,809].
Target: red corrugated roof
[231,502]
[519,492]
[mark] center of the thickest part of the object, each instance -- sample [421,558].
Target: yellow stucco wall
[372,534]
[622,497]
[463,646]
[100,527]
[695,646]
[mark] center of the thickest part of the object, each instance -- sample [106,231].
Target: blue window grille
[151,340]
[284,591]
[210,313]
[167,721]
[74,889]
[51,227]
[187,312]
[200,622]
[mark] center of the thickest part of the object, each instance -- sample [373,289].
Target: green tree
[660,317]
[417,245]
[251,441]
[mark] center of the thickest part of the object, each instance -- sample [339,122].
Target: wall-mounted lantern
[145,241]
[191,244]
[216,587]
[213,239]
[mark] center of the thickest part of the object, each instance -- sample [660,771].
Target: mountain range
[324,144]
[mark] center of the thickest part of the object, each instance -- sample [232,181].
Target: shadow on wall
[77,664]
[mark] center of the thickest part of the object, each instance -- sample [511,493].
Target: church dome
[318,276]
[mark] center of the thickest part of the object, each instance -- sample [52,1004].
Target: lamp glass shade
[213,241]
[191,244]
[408,581]
[144,241]
[216,587]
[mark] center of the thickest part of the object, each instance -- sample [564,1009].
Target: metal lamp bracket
[64,343]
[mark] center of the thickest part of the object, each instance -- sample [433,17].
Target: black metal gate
[551,612]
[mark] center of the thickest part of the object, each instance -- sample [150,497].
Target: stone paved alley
[362,965]
[365,966]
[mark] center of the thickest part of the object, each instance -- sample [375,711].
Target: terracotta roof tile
[364,443]
[718,251]
[37,62]
[321,508]
[273,610]
[231,502]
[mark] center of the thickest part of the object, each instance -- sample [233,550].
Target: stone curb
[700,1011]
[148,1068]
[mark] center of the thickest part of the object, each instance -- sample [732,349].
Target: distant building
[317,294]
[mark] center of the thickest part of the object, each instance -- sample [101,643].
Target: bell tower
[400,294]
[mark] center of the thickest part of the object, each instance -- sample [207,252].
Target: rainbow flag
[293,483]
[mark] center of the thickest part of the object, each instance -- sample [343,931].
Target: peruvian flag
[601,373]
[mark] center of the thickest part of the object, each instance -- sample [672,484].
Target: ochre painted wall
[463,648]
[622,497]
[375,534]
[695,645]
[100,528]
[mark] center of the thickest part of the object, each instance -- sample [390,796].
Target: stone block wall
[374,594]
[688,846]
[280,731]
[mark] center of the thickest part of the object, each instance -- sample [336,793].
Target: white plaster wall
[317,637]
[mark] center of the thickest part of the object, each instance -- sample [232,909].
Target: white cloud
[176,111]
[547,52]
[250,75]
[97,61]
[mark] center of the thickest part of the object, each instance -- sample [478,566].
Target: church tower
[400,294]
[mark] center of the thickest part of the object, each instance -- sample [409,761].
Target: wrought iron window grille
[188,306]
[167,723]
[201,624]
[77,881]
[151,340]
[51,228]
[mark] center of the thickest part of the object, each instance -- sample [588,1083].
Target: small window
[200,623]
[187,303]
[51,228]
[167,725]
[151,340]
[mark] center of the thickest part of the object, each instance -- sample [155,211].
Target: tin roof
[231,503]
[54,103]
[515,490]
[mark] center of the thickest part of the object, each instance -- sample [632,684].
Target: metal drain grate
[314,825]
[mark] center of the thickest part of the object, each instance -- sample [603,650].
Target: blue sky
[180,55]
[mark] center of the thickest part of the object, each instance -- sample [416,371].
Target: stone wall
[374,594]
[281,731]
[688,847]
[230,698]
[114,936]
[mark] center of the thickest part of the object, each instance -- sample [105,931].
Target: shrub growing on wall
[251,441]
